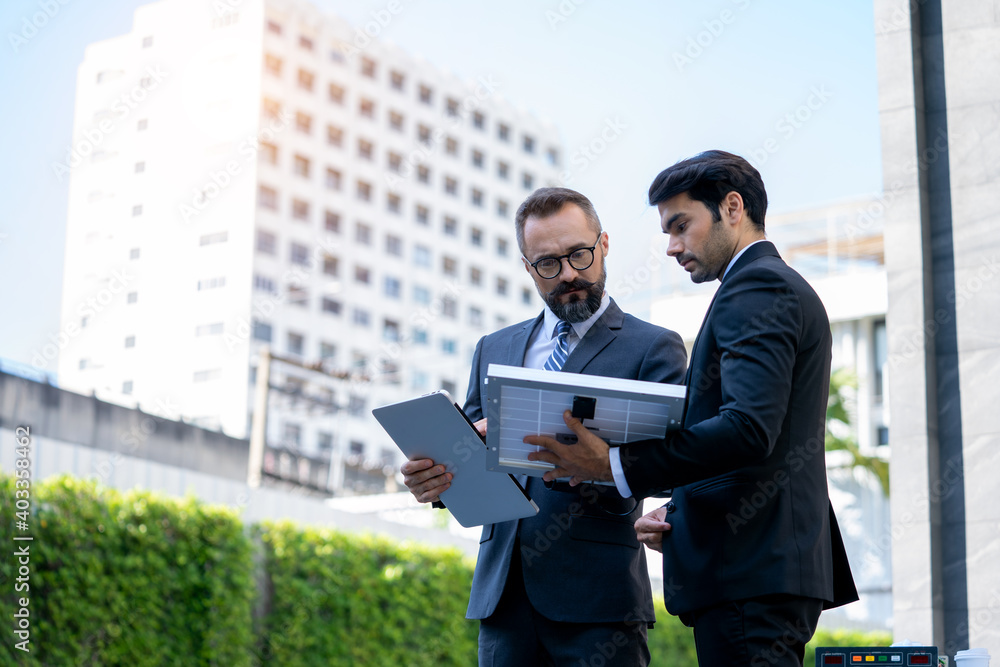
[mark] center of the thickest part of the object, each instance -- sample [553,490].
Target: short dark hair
[708,177]
[544,202]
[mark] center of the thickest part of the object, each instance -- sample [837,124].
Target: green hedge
[140,579]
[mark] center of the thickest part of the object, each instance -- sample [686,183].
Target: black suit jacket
[580,563]
[750,512]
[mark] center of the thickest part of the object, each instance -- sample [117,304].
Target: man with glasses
[582,537]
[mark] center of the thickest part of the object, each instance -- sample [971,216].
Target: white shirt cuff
[619,475]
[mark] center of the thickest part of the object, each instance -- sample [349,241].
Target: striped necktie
[558,357]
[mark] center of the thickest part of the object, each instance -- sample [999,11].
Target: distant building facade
[259,173]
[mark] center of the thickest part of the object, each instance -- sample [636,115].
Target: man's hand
[649,529]
[481,427]
[585,461]
[425,480]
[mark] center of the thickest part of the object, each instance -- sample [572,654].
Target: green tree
[839,434]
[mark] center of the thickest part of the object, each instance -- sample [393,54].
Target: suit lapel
[519,342]
[600,335]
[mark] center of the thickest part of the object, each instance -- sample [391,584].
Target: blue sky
[789,83]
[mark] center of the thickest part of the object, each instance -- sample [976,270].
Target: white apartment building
[838,248]
[249,173]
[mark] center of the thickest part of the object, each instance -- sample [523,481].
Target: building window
[475,316]
[332,179]
[449,307]
[451,186]
[331,306]
[363,233]
[267,243]
[476,197]
[396,121]
[390,330]
[478,120]
[213,329]
[262,331]
[526,296]
[426,94]
[503,132]
[880,351]
[422,214]
[356,448]
[502,247]
[362,275]
[273,27]
[419,336]
[477,159]
[327,350]
[272,64]
[451,146]
[141,125]
[364,191]
[527,181]
[305,43]
[296,343]
[393,203]
[424,134]
[553,156]
[397,80]
[502,208]
[217,237]
[306,80]
[299,254]
[475,276]
[268,153]
[140,167]
[300,209]
[334,136]
[393,288]
[366,108]
[449,265]
[528,144]
[298,296]
[361,317]
[324,442]
[476,236]
[365,149]
[303,122]
[331,266]
[448,345]
[503,170]
[450,226]
[267,197]
[335,93]
[421,295]
[211,283]
[130,341]
[368,68]
[127,387]
[137,210]
[395,161]
[451,107]
[302,166]
[133,253]
[424,174]
[502,286]
[422,255]
[393,245]
[331,222]
[272,108]
[147,41]
[132,297]
[264,284]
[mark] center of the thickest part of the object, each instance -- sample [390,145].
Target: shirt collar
[738,255]
[579,328]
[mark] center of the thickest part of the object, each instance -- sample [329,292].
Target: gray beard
[579,310]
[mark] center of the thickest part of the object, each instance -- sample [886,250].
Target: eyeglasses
[580,259]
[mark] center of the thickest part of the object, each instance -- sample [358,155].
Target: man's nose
[674,246]
[567,273]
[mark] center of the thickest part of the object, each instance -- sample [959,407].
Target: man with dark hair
[751,548]
[582,537]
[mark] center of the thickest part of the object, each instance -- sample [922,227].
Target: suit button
[671,507]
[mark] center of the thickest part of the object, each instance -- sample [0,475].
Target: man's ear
[732,207]
[604,243]
[527,267]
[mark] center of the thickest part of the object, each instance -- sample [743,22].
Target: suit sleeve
[757,326]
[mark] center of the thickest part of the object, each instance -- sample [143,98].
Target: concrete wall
[939,103]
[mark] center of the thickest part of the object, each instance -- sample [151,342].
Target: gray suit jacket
[581,563]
